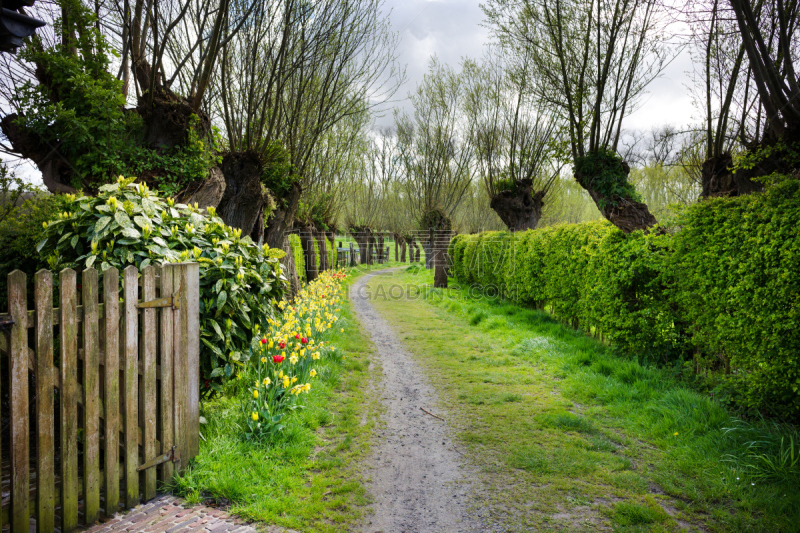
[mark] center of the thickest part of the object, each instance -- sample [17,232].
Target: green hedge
[299,258]
[719,290]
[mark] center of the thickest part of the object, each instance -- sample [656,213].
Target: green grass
[308,479]
[569,436]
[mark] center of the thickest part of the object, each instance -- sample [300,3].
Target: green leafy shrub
[299,257]
[126,224]
[21,228]
[722,289]
[737,283]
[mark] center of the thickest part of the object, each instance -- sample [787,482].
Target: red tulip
[296,335]
[282,345]
[264,340]
[304,340]
[277,358]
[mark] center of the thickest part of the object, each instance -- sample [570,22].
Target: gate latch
[172,455]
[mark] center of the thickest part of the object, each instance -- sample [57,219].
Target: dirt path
[418,481]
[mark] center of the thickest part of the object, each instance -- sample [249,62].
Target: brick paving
[168,514]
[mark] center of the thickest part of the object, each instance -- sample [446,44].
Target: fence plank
[45,450]
[18,366]
[131,386]
[149,333]
[166,341]
[180,371]
[91,398]
[68,400]
[193,358]
[111,403]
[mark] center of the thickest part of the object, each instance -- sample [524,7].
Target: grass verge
[308,478]
[569,436]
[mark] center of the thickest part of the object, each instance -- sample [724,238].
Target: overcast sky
[451,29]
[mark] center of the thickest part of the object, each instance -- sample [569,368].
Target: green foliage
[783,154]
[21,228]
[125,224]
[279,174]
[506,184]
[435,218]
[604,172]
[299,257]
[81,109]
[722,294]
[737,284]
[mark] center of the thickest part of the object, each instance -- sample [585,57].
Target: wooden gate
[93,429]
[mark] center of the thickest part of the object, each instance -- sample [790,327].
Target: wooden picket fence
[93,431]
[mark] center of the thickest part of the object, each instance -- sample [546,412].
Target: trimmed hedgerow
[720,290]
[736,270]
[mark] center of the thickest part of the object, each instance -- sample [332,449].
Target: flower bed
[283,358]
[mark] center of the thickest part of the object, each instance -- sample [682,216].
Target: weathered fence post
[45,400]
[68,399]
[18,370]
[111,419]
[91,397]
[167,344]
[131,354]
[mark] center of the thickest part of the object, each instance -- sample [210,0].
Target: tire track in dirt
[419,483]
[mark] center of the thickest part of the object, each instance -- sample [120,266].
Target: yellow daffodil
[255,416]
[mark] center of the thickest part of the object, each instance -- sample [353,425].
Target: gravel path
[418,481]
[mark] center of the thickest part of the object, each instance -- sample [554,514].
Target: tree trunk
[244,199]
[370,248]
[402,257]
[427,245]
[396,251]
[207,193]
[625,213]
[440,240]
[323,250]
[519,209]
[330,235]
[361,235]
[307,240]
[281,219]
[381,248]
[719,180]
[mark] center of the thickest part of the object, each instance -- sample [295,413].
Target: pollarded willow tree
[70,94]
[433,146]
[513,137]
[297,72]
[371,187]
[592,60]
[727,86]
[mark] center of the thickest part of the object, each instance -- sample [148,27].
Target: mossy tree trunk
[309,253]
[604,175]
[323,250]
[519,209]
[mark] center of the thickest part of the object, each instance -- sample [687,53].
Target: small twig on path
[433,415]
